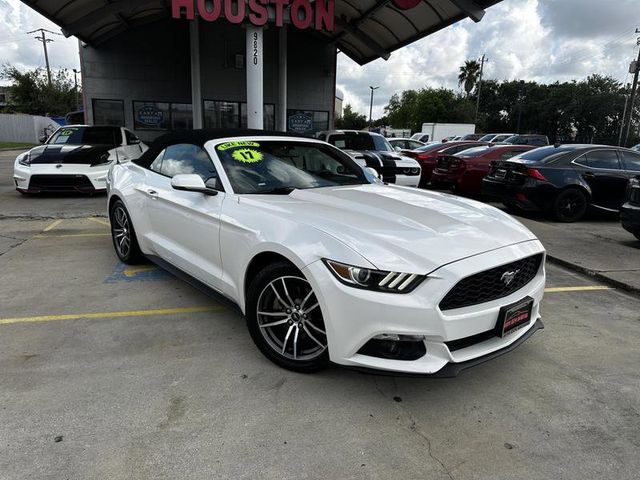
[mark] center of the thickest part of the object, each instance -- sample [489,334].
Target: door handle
[152,193]
[589,175]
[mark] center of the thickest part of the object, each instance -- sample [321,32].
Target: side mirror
[397,149]
[191,183]
[42,138]
[373,172]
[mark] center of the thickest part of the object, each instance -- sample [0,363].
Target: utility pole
[482,61]
[371,107]
[43,38]
[75,81]
[634,91]
[627,89]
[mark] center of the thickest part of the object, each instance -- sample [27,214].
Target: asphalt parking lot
[108,371]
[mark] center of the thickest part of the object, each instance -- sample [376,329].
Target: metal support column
[282,80]
[196,80]
[255,77]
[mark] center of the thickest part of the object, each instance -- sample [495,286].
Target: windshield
[544,154]
[432,148]
[487,138]
[279,167]
[501,138]
[86,136]
[473,152]
[353,141]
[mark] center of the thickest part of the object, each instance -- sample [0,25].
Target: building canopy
[363,29]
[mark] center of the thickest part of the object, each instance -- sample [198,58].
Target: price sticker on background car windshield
[229,145]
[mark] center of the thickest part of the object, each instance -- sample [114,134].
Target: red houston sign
[318,14]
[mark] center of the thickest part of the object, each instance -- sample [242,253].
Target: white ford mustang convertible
[326,264]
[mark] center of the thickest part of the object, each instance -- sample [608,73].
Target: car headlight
[376,280]
[24,159]
[634,182]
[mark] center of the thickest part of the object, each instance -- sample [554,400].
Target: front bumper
[407,180]
[353,317]
[68,178]
[630,218]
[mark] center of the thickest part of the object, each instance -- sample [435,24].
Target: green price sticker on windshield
[67,132]
[247,155]
[226,146]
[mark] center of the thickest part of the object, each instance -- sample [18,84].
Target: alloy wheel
[121,231]
[290,320]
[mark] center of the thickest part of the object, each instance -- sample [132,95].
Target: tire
[512,207]
[280,296]
[123,234]
[570,205]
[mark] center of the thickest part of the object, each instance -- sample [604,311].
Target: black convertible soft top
[200,137]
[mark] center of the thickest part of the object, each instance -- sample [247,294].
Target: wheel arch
[577,186]
[259,262]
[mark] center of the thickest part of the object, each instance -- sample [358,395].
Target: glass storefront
[108,112]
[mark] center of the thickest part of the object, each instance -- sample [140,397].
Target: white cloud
[541,40]
[24,51]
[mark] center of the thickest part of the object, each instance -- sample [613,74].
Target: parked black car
[535,140]
[564,179]
[630,211]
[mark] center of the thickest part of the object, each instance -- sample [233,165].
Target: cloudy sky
[543,40]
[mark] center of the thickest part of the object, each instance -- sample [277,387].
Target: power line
[43,38]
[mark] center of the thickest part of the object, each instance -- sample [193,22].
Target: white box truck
[439,131]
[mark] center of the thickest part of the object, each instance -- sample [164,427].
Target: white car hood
[398,228]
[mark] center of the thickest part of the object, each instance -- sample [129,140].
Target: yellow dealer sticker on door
[247,155]
[226,146]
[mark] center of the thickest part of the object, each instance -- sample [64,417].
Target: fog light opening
[395,347]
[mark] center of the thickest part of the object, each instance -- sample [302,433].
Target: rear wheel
[570,205]
[284,319]
[123,235]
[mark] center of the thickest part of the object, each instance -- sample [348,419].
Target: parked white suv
[374,151]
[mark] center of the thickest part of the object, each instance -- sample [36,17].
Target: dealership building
[159,65]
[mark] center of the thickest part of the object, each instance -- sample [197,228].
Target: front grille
[60,183]
[491,285]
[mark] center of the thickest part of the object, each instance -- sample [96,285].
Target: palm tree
[469,74]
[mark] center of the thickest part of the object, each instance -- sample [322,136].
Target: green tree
[469,75]
[351,120]
[30,92]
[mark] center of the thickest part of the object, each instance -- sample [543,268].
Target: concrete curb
[597,275]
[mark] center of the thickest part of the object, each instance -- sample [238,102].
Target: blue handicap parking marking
[136,273]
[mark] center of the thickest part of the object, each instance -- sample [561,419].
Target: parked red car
[464,172]
[428,155]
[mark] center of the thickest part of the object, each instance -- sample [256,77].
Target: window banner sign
[304,14]
[149,115]
[301,122]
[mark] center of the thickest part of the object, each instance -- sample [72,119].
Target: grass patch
[16,145]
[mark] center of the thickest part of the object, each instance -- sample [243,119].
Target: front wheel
[285,320]
[123,235]
[570,205]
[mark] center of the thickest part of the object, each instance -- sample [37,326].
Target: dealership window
[307,121]
[221,114]
[108,112]
[269,116]
[181,116]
